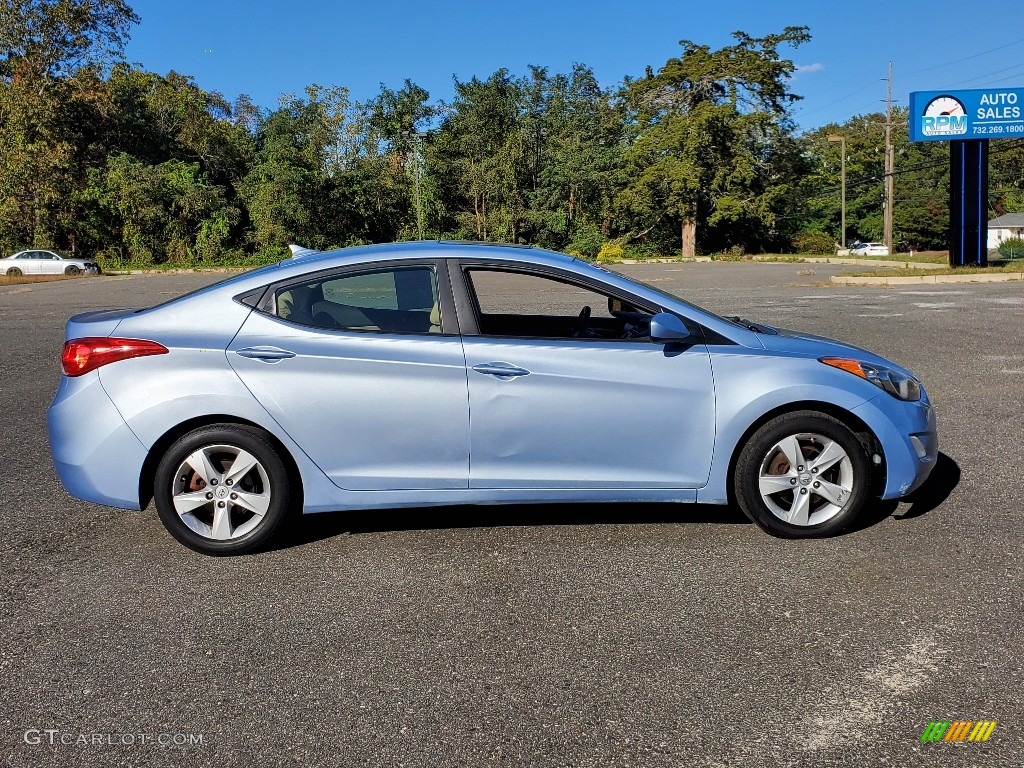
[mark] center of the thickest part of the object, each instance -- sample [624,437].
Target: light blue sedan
[421,374]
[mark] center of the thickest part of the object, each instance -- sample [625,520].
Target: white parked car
[45,263]
[869,249]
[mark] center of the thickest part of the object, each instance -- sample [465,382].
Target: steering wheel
[582,324]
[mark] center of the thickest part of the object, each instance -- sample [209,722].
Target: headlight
[897,384]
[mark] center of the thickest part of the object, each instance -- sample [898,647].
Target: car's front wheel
[222,489]
[13,272]
[803,474]
[72,270]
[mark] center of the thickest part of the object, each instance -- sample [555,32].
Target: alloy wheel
[806,479]
[221,492]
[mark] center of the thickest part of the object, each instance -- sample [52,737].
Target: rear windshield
[212,286]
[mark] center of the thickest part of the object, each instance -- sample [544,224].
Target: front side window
[394,300]
[521,304]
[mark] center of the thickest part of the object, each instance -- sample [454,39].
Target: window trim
[449,321]
[469,309]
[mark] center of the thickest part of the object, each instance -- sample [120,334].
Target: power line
[1018,65]
[1011,77]
[837,101]
[965,58]
[1013,144]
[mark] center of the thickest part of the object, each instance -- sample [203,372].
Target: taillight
[83,355]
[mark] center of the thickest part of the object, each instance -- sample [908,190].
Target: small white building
[1004,227]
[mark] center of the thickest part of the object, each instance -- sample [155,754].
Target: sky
[266,48]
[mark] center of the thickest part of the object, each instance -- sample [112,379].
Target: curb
[657,261]
[1002,277]
[178,271]
[878,263]
[783,259]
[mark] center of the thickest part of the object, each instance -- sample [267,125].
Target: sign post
[967,120]
[968,203]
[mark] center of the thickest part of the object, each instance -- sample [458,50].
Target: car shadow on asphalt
[311,528]
[936,489]
[944,478]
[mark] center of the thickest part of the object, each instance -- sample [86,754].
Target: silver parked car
[421,374]
[38,262]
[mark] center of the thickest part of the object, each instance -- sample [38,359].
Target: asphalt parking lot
[534,636]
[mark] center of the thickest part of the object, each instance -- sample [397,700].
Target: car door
[364,369]
[554,407]
[28,263]
[50,263]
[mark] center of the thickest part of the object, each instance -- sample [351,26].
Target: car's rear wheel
[71,269]
[222,489]
[13,272]
[803,474]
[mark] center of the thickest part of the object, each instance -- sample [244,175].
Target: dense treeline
[701,155]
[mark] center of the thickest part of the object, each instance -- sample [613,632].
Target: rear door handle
[501,370]
[265,354]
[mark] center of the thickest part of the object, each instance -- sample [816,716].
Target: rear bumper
[97,457]
[909,439]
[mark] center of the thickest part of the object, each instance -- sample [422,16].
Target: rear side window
[394,300]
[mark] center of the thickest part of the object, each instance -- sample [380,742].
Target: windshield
[734,320]
[654,289]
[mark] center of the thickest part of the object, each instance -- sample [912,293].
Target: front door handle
[501,370]
[265,354]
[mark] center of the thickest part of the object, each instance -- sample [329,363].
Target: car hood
[809,345]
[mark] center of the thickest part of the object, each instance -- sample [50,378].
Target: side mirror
[667,329]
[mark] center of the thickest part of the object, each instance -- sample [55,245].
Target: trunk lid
[100,322]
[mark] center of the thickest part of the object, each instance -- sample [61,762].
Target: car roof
[37,250]
[307,262]
[433,249]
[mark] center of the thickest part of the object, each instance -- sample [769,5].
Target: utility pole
[419,208]
[889,161]
[834,137]
[417,137]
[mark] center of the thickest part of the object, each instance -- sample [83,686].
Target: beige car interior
[305,305]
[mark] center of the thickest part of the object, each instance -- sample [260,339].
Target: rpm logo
[944,116]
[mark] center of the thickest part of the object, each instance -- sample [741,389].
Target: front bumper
[909,438]
[97,456]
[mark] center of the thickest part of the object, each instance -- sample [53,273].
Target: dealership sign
[982,113]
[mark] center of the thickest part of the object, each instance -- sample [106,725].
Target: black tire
[14,272]
[762,457]
[268,478]
[72,270]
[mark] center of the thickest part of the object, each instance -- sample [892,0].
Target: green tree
[477,156]
[921,183]
[1006,177]
[573,135]
[55,38]
[51,53]
[706,126]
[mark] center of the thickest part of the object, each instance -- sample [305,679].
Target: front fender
[749,384]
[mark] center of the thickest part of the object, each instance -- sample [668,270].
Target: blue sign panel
[983,113]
